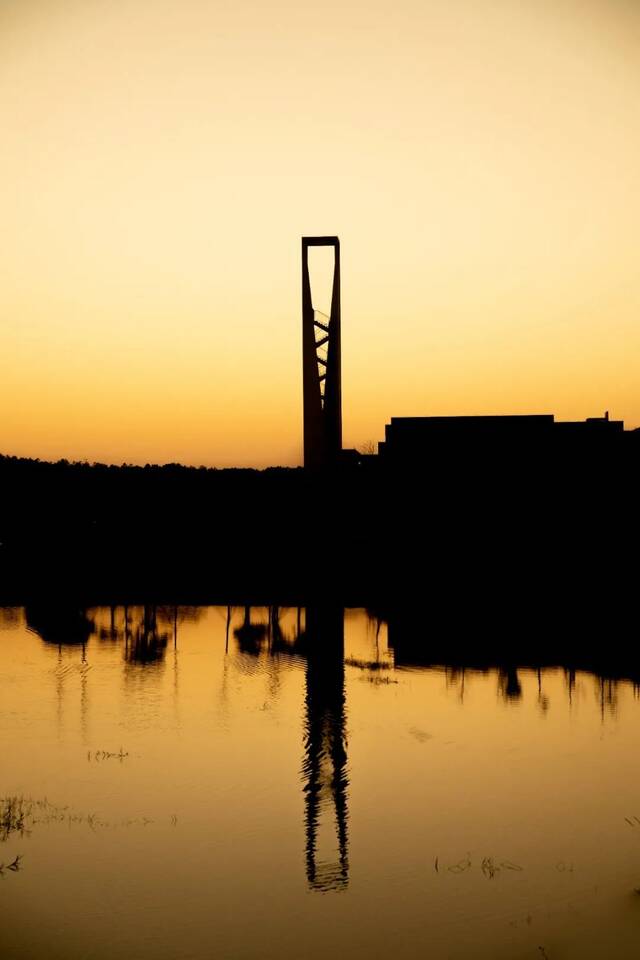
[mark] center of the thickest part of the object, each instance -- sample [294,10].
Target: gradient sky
[160,160]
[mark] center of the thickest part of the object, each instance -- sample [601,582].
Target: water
[203,782]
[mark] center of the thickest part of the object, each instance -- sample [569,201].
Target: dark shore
[465,535]
[472,561]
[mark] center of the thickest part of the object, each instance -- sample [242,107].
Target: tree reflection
[146,640]
[61,625]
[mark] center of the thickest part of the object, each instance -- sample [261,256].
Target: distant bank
[525,535]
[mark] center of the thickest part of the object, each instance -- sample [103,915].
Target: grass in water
[14,866]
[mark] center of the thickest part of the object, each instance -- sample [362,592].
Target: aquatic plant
[20,814]
[12,816]
[377,681]
[99,755]
[490,867]
[14,866]
[367,664]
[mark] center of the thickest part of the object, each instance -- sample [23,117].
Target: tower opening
[321,367]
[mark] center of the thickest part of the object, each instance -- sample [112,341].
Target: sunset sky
[160,160]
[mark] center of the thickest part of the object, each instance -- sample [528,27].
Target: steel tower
[321,366]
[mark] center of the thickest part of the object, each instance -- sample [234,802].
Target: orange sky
[159,161]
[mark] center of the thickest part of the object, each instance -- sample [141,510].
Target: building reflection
[421,642]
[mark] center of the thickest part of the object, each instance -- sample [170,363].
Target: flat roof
[475,418]
[493,419]
[320,242]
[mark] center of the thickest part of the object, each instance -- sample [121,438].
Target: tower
[321,365]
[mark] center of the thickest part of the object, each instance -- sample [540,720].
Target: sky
[161,159]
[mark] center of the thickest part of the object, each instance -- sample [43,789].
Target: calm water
[203,782]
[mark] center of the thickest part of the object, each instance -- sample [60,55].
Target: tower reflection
[318,638]
[325,759]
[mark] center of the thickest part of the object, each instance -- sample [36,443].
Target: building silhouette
[410,440]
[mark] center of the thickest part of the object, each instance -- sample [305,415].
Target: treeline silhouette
[490,539]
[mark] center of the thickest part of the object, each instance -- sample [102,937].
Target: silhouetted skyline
[488,225]
[318,602]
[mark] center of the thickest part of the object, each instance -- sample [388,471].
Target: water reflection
[250,636]
[509,683]
[146,636]
[369,757]
[324,768]
[60,625]
[145,632]
[325,760]
[315,636]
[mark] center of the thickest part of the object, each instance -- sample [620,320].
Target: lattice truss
[321,331]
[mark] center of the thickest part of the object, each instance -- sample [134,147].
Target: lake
[197,782]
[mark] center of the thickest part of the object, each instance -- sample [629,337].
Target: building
[414,439]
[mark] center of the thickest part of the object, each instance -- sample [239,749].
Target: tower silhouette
[321,365]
